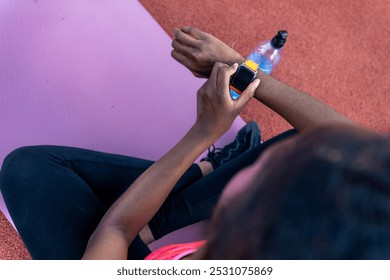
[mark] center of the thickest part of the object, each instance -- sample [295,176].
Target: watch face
[242,78]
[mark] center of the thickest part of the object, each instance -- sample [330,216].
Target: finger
[224,77]
[196,33]
[183,59]
[185,39]
[247,94]
[181,48]
[214,73]
[180,57]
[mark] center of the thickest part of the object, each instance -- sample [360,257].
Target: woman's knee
[22,155]
[20,163]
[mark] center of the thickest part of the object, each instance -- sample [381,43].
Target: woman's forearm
[141,201]
[301,110]
[134,209]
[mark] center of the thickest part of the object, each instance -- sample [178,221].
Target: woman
[154,194]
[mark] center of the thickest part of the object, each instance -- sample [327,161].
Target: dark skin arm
[216,112]
[198,51]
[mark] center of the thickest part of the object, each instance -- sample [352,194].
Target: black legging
[56,195]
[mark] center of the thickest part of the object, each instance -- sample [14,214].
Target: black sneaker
[247,138]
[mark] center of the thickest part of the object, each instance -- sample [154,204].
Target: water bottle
[268,53]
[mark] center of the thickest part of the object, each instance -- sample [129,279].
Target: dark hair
[326,195]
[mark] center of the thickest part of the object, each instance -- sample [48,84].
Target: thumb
[248,93]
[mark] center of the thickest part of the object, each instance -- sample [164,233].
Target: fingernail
[257,82]
[235,65]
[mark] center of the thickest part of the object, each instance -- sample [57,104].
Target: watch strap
[251,65]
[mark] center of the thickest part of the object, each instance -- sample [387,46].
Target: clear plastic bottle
[268,53]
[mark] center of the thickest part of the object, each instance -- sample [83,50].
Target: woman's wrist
[206,132]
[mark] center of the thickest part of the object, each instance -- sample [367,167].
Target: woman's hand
[216,110]
[199,51]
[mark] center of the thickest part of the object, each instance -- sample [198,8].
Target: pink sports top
[175,251]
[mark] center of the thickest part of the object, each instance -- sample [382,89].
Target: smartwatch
[244,75]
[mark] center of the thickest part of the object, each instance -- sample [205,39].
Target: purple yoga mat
[91,74]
